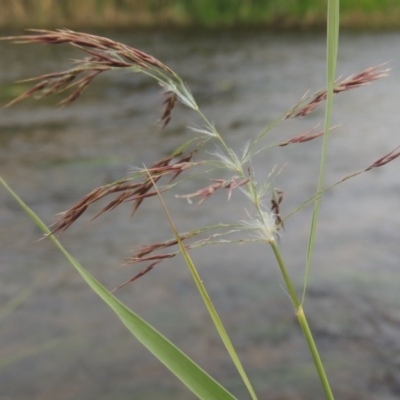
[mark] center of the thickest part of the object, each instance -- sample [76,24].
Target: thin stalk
[303,324]
[208,302]
[285,275]
[331,58]
[314,351]
[217,321]
[218,136]
[272,125]
[251,188]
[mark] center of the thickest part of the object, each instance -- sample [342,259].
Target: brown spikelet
[363,78]
[37,88]
[378,163]
[206,192]
[67,218]
[146,252]
[385,159]
[143,255]
[305,137]
[105,54]
[169,103]
[81,85]
[128,190]
[144,271]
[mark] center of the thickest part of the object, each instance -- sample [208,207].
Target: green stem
[314,352]
[207,301]
[303,323]
[218,323]
[285,275]
[331,58]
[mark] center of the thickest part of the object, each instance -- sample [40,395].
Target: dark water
[242,81]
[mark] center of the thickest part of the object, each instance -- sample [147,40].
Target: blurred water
[242,81]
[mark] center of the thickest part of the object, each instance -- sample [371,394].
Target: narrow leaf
[195,378]
[207,301]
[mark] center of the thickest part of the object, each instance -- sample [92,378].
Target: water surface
[242,81]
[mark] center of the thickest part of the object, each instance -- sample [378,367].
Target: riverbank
[270,14]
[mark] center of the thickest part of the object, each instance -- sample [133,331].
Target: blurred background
[246,63]
[276,14]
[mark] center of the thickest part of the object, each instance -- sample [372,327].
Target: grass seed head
[355,81]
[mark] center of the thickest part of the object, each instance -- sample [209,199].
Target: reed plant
[264,221]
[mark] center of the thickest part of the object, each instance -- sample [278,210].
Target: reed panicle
[105,54]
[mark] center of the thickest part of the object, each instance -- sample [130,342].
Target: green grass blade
[195,378]
[331,58]
[209,304]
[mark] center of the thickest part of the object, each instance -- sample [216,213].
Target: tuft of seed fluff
[263,226]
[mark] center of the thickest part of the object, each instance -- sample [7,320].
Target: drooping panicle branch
[105,54]
[105,51]
[363,78]
[305,137]
[206,192]
[378,163]
[129,189]
[146,252]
